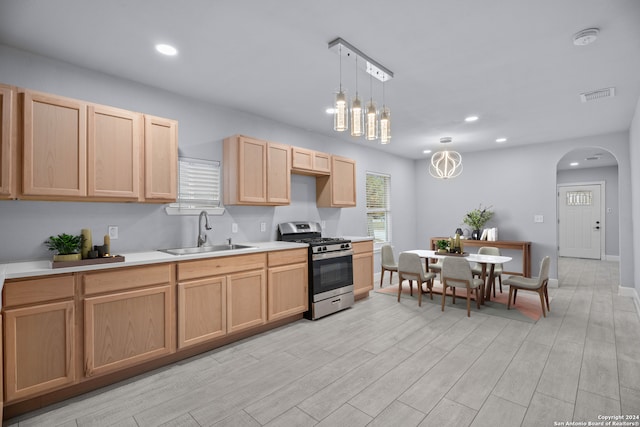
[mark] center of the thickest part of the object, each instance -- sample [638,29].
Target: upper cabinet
[72,150]
[54,146]
[113,160]
[256,172]
[310,162]
[7,141]
[337,190]
[160,159]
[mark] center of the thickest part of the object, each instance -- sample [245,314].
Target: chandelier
[445,164]
[366,120]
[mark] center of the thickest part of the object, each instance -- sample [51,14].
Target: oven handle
[329,255]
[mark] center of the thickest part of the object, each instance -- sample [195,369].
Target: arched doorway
[587,205]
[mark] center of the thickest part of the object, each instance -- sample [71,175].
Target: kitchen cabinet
[287,283]
[160,159]
[245,293]
[256,172]
[113,152]
[8,145]
[202,310]
[54,147]
[339,188]
[39,319]
[128,317]
[362,268]
[310,162]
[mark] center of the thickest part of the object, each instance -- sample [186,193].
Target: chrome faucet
[202,236]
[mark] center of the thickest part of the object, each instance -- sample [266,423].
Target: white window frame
[386,209]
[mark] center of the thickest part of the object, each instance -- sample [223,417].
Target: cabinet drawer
[126,278]
[361,247]
[33,291]
[220,266]
[293,256]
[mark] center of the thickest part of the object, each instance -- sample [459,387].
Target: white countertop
[18,270]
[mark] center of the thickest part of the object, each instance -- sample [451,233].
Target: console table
[524,247]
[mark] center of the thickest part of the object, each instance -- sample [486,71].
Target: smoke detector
[585,37]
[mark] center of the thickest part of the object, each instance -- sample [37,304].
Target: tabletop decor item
[442,246]
[67,246]
[476,219]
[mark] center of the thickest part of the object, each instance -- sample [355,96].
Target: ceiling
[512,63]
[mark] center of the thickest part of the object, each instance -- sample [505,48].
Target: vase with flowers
[476,219]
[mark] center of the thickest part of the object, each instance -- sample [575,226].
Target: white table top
[482,259]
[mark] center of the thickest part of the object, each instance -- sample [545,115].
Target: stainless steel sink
[204,249]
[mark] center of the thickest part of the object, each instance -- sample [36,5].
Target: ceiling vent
[608,92]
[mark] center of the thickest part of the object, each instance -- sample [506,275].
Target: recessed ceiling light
[471,119]
[426,151]
[574,164]
[501,140]
[166,49]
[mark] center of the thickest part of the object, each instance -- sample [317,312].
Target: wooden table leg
[483,276]
[489,283]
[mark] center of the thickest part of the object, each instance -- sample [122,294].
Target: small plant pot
[67,257]
[442,251]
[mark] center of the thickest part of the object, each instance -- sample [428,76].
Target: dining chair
[497,270]
[410,268]
[388,262]
[535,284]
[436,267]
[456,273]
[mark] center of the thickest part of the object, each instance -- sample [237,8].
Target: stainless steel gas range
[330,267]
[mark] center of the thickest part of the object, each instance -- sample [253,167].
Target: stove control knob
[324,248]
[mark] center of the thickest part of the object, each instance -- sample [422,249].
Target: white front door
[579,222]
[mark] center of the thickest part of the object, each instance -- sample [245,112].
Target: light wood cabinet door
[202,310]
[160,159]
[245,171]
[338,189]
[246,300]
[362,267]
[287,291]
[39,349]
[7,142]
[114,152]
[310,162]
[54,146]
[278,174]
[126,328]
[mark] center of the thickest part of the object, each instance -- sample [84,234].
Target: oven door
[331,272]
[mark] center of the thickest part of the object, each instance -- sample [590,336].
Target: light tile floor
[384,363]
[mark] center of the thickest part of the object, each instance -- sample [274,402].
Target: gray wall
[611,220]
[634,143]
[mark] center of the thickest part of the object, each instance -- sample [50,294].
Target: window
[198,188]
[379,207]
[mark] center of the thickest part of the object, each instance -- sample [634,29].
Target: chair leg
[390,276]
[453,291]
[468,302]
[541,293]
[381,276]
[546,297]
[500,280]
[478,297]
[411,287]
[444,294]
[494,287]
[515,294]
[419,293]
[399,286]
[509,299]
[431,289]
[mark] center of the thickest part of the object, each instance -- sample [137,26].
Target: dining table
[483,260]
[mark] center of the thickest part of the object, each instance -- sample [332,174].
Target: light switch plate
[538,218]
[263,226]
[234,228]
[113,232]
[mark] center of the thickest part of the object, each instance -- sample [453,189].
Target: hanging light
[385,122]
[340,116]
[371,118]
[357,125]
[447,163]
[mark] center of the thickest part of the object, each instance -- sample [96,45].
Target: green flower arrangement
[65,244]
[477,218]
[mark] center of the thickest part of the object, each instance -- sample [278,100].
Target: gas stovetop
[310,233]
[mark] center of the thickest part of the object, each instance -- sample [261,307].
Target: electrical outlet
[234,228]
[263,226]
[323,224]
[113,232]
[538,218]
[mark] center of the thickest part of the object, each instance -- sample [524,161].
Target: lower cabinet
[202,310]
[288,288]
[246,300]
[362,268]
[123,328]
[39,350]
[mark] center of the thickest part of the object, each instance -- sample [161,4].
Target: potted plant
[476,219]
[442,246]
[67,247]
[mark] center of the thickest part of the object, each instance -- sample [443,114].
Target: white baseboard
[612,258]
[624,291]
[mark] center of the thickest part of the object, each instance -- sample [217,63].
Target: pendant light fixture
[364,121]
[385,121]
[445,164]
[357,124]
[371,117]
[340,113]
